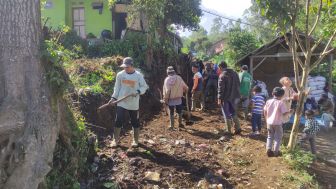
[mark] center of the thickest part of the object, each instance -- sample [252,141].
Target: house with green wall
[86,16]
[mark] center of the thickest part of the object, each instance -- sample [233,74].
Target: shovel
[163,102]
[113,103]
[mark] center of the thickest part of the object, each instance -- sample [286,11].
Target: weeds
[299,160]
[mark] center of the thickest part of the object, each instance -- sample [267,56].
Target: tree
[259,25]
[239,43]
[312,19]
[28,128]
[164,13]
[217,26]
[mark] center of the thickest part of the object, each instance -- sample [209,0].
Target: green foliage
[70,154]
[286,13]
[71,41]
[96,75]
[241,42]
[298,159]
[111,185]
[54,56]
[133,45]
[184,13]
[259,25]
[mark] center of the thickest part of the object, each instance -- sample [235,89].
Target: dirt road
[192,157]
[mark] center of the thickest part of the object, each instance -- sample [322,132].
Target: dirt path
[325,167]
[193,157]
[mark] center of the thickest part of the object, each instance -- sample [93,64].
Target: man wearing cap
[245,88]
[173,89]
[128,82]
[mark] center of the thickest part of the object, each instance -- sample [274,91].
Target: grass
[95,75]
[299,161]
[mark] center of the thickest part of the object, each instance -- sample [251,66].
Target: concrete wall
[61,13]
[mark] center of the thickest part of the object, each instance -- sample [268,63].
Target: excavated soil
[193,157]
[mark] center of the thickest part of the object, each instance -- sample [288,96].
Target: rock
[163,140]
[182,142]
[150,141]
[203,146]
[153,176]
[203,184]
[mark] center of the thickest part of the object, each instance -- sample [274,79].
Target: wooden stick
[114,103]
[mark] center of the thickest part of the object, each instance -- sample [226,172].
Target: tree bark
[28,128]
[298,112]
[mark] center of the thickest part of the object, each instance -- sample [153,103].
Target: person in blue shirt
[258,102]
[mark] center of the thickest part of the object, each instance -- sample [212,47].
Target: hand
[291,111]
[220,102]
[162,101]
[112,101]
[134,94]
[192,91]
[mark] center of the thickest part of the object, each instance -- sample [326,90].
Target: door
[79,21]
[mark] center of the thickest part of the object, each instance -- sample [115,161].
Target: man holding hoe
[130,84]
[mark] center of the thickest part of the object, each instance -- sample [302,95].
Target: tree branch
[325,51]
[299,42]
[307,29]
[317,19]
[294,47]
[316,44]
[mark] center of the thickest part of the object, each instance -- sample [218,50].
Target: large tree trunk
[28,129]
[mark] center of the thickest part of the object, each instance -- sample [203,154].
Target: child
[310,130]
[327,120]
[274,111]
[288,96]
[258,102]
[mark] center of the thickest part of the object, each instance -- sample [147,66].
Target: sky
[229,8]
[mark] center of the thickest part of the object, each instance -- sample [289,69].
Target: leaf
[110,185]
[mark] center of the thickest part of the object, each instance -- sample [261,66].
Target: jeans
[275,133]
[256,122]
[311,139]
[120,117]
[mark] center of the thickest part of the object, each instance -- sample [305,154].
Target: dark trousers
[311,139]
[256,122]
[120,117]
[178,109]
[210,90]
[228,109]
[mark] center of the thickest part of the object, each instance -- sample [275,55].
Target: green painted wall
[56,14]
[94,22]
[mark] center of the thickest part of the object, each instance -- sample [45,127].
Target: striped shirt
[258,104]
[311,126]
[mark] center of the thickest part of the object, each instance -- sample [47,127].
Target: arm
[185,87]
[195,83]
[221,86]
[117,87]
[142,85]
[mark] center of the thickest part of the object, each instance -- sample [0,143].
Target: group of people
[231,89]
